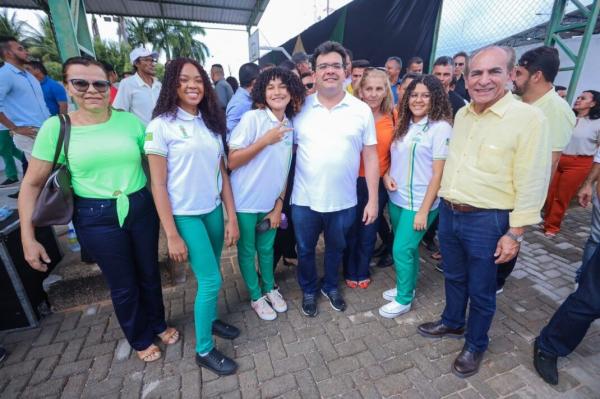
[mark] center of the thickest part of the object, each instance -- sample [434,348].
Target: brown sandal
[170,336]
[150,354]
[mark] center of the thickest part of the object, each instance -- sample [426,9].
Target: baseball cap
[141,52]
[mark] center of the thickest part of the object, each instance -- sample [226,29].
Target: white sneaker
[390,294]
[263,309]
[276,300]
[393,309]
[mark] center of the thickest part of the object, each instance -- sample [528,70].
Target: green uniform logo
[148,136]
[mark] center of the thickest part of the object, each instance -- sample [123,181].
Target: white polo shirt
[257,184]
[193,155]
[328,153]
[136,96]
[412,161]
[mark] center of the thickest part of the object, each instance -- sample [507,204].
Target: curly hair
[294,87]
[440,109]
[210,110]
[595,110]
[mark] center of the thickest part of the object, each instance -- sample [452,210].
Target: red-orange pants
[570,174]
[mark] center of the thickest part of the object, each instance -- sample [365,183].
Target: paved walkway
[355,354]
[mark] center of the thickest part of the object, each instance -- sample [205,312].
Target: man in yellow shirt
[532,81]
[494,184]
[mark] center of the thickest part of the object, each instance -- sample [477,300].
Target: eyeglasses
[148,59]
[83,85]
[459,64]
[309,85]
[336,65]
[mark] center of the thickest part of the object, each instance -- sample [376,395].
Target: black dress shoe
[467,363]
[385,261]
[437,329]
[335,299]
[217,362]
[224,330]
[545,364]
[309,305]
[14,195]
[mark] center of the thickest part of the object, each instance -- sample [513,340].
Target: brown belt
[462,207]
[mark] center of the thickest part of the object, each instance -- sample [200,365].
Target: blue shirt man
[55,94]
[21,97]
[241,102]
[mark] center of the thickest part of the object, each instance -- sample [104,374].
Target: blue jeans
[128,258]
[571,321]
[308,225]
[468,241]
[361,238]
[594,238]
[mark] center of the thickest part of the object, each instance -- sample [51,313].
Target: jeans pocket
[89,211]
[502,222]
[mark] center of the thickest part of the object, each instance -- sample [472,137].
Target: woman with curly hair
[418,153]
[260,157]
[189,182]
[575,162]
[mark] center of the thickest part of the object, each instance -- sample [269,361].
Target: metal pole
[436,33]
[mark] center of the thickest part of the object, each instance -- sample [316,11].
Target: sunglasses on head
[83,85]
[309,85]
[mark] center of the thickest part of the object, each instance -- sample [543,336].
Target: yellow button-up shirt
[500,159]
[560,116]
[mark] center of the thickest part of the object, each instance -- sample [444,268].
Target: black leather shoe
[217,362]
[545,364]
[385,261]
[309,305]
[467,363]
[335,299]
[437,329]
[224,330]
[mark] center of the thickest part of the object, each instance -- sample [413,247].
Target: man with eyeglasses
[22,108]
[331,132]
[138,93]
[308,81]
[460,62]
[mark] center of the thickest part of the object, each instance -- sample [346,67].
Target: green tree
[164,36]
[187,45]
[139,31]
[11,26]
[116,54]
[41,43]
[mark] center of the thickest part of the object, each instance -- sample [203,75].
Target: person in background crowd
[324,196]
[113,79]
[22,108]
[267,66]
[561,91]
[233,83]
[185,149]
[222,88]
[420,144]
[393,66]
[127,74]
[138,93]
[55,94]
[302,62]
[589,193]
[348,68]
[460,60]
[114,215]
[575,162]
[532,81]
[406,80]
[290,66]
[358,68]
[241,102]
[260,157]
[443,70]
[308,81]
[415,65]
[374,89]
[494,184]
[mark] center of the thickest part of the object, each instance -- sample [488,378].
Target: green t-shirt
[105,160]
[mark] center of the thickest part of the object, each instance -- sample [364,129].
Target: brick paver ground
[354,354]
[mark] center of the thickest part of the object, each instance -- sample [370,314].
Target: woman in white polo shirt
[189,181]
[418,153]
[260,157]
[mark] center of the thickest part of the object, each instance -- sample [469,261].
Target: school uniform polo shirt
[193,153]
[329,144]
[412,161]
[136,96]
[257,184]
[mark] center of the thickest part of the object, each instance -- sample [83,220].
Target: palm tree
[187,45]
[42,44]
[164,36]
[11,26]
[139,31]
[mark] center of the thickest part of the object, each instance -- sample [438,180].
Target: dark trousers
[383,227]
[128,258]
[468,241]
[504,270]
[571,321]
[308,225]
[361,238]
[285,239]
[429,236]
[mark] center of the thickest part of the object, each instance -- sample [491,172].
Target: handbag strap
[64,136]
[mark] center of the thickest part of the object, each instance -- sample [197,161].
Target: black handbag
[54,205]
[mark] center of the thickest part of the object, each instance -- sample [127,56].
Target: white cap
[140,52]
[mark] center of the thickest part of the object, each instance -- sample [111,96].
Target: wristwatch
[515,237]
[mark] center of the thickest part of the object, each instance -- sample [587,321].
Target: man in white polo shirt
[331,132]
[138,93]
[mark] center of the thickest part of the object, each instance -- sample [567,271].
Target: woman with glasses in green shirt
[114,215]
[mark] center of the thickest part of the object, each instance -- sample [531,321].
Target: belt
[462,207]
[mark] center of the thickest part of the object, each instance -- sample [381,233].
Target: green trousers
[203,236]
[8,151]
[406,250]
[251,243]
